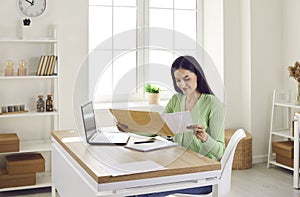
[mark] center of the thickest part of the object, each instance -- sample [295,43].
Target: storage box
[284,160]
[284,148]
[243,153]
[284,152]
[25,163]
[7,180]
[9,142]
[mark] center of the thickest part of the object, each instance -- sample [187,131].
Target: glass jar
[49,103]
[40,104]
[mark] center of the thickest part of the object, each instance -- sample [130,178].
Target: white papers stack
[159,143]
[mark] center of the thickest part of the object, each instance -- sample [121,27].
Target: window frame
[142,39]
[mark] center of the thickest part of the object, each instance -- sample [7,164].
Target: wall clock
[31,8]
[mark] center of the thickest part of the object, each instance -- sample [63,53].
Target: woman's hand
[122,127]
[199,132]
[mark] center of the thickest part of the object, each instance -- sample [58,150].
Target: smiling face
[186,80]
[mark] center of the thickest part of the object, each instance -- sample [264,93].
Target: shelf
[35,145]
[283,133]
[286,104]
[37,139]
[30,114]
[42,180]
[281,165]
[28,77]
[42,40]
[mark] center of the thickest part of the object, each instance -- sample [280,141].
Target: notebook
[96,136]
[157,144]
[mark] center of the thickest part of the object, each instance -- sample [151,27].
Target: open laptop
[95,136]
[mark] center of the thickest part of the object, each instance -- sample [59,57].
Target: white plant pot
[153,98]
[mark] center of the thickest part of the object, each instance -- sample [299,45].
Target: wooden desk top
[177,160]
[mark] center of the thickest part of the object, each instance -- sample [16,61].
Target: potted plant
[295,73]
[153,93]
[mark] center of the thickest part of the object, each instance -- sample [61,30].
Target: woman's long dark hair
[191,64]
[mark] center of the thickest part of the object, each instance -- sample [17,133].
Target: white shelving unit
[33,128]
[282,101]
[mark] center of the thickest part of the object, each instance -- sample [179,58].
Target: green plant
[151,89]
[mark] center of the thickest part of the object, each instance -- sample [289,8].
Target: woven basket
[243,153]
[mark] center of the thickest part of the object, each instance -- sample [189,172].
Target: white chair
[224,181]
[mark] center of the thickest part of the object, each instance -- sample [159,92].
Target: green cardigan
[208,111]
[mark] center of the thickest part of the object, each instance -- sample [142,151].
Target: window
[121,39]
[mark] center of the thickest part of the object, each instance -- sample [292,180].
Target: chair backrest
[226,162]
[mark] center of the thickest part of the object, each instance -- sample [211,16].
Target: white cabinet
[283,110]
[33,128]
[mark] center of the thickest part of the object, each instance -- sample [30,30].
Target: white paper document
[178,121]
[132,168]
[156,144]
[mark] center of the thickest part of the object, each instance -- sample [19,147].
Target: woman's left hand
[199,132]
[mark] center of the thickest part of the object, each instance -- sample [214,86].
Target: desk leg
[215,190]
[53,191]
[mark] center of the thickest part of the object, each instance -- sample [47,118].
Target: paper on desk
[178,121]
[132,168]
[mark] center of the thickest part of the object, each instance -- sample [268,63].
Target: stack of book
[46,65]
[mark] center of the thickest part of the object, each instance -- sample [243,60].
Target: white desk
[76,171]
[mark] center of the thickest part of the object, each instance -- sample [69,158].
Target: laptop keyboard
[100,137]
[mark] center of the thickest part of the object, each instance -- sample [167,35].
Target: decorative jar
[40,104]
[49,103]
[22,68]
[9,70]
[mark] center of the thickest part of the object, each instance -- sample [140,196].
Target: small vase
[26,32]
[153,98]
[40,104]
[298,95]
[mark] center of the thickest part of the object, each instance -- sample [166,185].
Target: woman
[195,95]
[206,135]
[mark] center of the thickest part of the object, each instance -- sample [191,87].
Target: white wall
[253,66]
[213,32]
[232,63]
[291,40]
[266,64]
[70,18]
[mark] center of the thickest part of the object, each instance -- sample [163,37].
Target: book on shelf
[46,65]
[38,72]
[53,63]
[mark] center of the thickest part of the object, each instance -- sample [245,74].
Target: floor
[259,181]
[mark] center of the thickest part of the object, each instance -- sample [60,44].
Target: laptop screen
[88,117]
